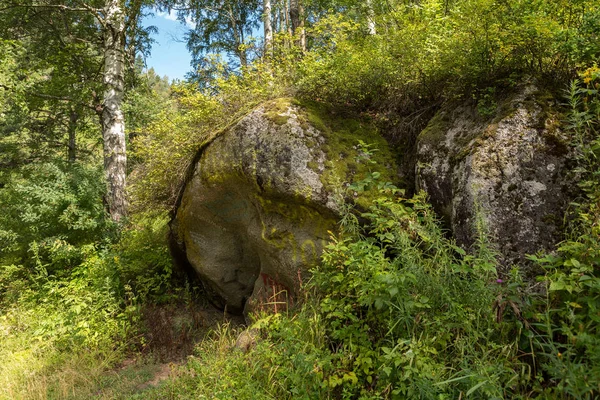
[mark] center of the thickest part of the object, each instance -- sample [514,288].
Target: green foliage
[142,258]
[407,312]
[51,209]
[221,26]
[144,102]
[49,323]
[71,287]
[440,49]
[396,310]
[166,146]
[568,329]
[486,104]
[346,68]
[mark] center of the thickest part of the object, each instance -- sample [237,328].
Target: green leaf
[556,285]
[474,388]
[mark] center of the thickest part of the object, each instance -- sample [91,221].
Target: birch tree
[371,18]
[268,28]
[83,45]
[113,123]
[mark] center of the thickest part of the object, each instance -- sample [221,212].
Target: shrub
[50,211]
[567,331]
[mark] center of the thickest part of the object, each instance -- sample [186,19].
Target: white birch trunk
[268,26]
[113,123]
[371,18]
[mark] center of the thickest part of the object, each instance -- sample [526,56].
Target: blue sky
[169,55]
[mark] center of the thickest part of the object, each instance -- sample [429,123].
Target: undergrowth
[397,310]
[71,286]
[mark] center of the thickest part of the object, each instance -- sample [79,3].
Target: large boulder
[255,214]
[504,175]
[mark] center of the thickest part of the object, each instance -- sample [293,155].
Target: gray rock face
[507,173]
[255,215]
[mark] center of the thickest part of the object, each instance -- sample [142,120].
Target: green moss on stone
[435,131]
[341,135]
[341,147]
[275,110]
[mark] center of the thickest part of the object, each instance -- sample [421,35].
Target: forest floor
[171,333]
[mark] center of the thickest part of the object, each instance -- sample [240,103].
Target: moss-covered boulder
[505,175]
[255,214]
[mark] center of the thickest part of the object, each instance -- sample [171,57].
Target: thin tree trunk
[295,15]
[131,25]
[72,155]
[302,28]
[268,27]
[282,13]
[297,20]
[113,123]
[239,39]
[371,18]
[286,12]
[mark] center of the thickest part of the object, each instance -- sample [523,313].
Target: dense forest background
[94,148]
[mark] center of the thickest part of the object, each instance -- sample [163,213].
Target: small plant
[486,102]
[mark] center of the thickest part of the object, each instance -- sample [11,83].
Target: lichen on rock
[508,171]
[256,212]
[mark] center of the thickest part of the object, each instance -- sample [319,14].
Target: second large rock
[503,176]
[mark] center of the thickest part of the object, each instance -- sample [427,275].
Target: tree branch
[57,6]
[52,97]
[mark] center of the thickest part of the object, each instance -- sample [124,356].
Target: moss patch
[275,110]
[436,129]
[345,161]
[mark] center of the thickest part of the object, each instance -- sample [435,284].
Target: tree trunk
[113,123]
[268,26]
[371,18]
[238,35]
[282,16]
[297,23]
[131,27]
[295,15]
[71,156]
[302,29]
[286,12]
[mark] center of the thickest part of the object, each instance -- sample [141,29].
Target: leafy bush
[408,313]
[164,151]
[440,49]
[71,287]
[395,310]
[567,332]
[142,258]
[49,211]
